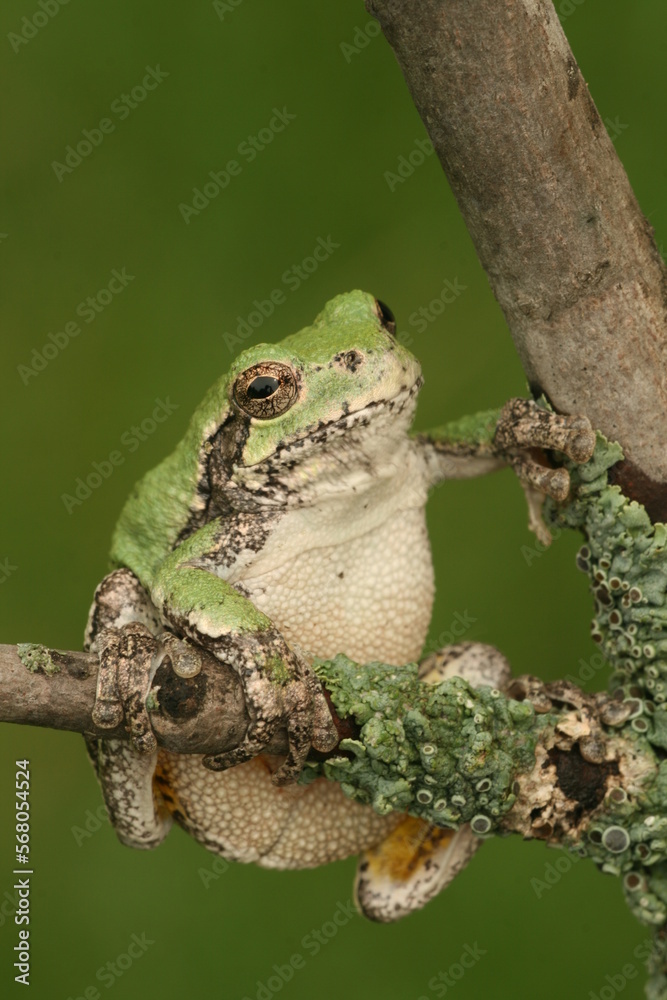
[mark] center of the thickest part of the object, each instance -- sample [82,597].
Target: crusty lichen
[626,560]
[445,752]
[36,658]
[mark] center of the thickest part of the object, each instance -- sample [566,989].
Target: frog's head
[342,389]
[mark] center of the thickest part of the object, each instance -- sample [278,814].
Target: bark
[574,266]
[56,689]
[565,750]
[569,255]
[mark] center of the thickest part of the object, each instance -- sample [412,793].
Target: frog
[288,525]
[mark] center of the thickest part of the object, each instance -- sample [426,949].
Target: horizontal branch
[56,689]
[540,760]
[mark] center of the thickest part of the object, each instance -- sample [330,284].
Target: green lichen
[446,752]
[36,658]
[625,557]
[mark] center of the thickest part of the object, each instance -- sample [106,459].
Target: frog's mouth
[377,412]
[337,446]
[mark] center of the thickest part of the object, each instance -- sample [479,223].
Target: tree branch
[573,264]
[568,253]
[538,760]
[541,760]
[56,689]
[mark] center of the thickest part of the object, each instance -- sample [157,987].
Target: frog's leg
[417,859]
[515,436]
[279,687]
[120,624]
[488,440]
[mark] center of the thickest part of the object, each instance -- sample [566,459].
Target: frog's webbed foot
[524,429]
[129,657]
[294,703]
[124,680]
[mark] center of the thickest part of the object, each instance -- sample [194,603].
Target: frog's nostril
[353,360]
[386,316]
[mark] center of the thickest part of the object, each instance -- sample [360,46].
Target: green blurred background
[162,337]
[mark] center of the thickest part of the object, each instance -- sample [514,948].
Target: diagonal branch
[568,253]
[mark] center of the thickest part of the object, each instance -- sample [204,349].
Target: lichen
[625,557]
[447,753]
[36,658]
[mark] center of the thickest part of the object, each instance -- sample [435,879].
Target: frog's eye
[386,316]
[266,390]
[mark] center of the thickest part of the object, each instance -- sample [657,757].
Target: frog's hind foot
[409,867]
[123,629]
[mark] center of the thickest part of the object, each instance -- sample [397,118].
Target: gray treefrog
[289,523]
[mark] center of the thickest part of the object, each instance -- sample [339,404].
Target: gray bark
[569,255]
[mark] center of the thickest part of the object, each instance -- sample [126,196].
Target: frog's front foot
[290,699]
[129,657]
[524,429]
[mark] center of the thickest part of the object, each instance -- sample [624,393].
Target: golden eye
[266,390]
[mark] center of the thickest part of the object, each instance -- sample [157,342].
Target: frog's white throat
[350,454]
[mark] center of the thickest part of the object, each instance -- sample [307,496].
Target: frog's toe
[126,671]
[552,482]
[523,425]
[255,742]
[299,730]
[409,867]
[223,761]
[309,724]
[297,707]
[301,710]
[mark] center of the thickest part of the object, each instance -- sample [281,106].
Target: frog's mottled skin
[289,525]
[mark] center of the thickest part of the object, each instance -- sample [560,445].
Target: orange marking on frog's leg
[400,854]
[409,867]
